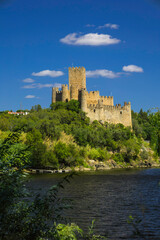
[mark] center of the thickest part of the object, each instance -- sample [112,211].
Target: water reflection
[110,197]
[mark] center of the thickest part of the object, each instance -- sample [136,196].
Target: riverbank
[95,165]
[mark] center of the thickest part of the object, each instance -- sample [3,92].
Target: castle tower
[77,81]
[96,107]
[128,106]
[83,100]
[54,92]
[65,93]
[73,93]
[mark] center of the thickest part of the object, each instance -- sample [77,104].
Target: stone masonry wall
[93,97]
[110,114]
[77,77]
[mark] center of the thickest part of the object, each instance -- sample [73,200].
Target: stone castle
[97,107]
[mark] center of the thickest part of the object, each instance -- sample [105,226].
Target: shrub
[118,157]
[38,154]
[104,154]
[94,154]
[83,152]
[144,154]
[62,152]
[73,105]
[50,160]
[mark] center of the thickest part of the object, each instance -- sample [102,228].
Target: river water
[110,197]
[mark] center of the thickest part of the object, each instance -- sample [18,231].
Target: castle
[97,107]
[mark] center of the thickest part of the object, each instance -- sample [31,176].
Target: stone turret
[54,92]
[83,100]
[64,93]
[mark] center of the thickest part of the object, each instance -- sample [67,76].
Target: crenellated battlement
[97,107]
[109,97]
[106,107]
[58,92]
[77,68]
[65,85]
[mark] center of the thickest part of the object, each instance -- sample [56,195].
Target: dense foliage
[147,125]
[57,137]
[63,136]
[27,216]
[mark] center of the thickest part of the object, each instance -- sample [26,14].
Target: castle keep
[97,107]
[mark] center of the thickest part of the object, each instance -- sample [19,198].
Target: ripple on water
[109,198]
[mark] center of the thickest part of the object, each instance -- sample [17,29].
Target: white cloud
[28,80]
[30,86]
[102,73]
[109,25]
[90,39]
[90,25]
[30,96]
[50,73]
[132,68]
[47,85]
[39,85]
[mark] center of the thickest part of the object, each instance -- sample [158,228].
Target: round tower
[64,93]
[83,100]
[53,95]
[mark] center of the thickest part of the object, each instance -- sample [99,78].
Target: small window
[120,112]
[94,110]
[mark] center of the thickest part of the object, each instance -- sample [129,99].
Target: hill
[63,137]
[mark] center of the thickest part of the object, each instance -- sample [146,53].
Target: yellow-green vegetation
[25,214]
[62,136]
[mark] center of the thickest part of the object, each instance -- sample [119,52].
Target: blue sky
[118,42]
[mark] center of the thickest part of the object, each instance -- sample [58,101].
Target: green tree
[154,119]
[73,105]
[24,216]
[38,148]
[36,108]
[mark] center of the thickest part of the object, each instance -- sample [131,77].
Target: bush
[118,157]
[73,105]
[38,155]
[50,160]
[104,154]
[62,152]
[94,154]
[144,154]
[83,152]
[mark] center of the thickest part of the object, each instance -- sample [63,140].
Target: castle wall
[93,97]
[107,100]
[110,114]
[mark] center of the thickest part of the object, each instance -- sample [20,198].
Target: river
[110,197]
